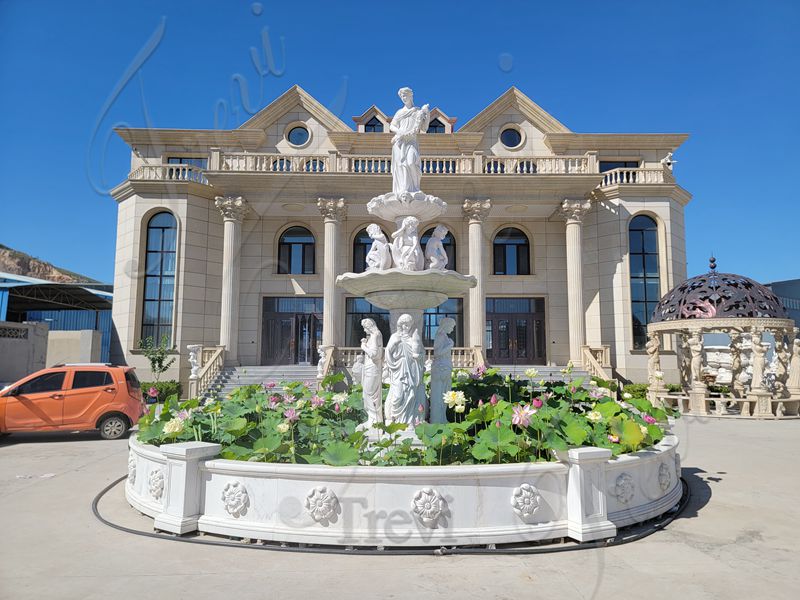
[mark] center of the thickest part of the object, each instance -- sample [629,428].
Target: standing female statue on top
[406,251]
[441,370]
[405,362]
[406,124]
[379,256]
[371,373]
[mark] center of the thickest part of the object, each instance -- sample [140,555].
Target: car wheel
[113,427]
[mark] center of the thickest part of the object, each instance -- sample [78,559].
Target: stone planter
[185,488]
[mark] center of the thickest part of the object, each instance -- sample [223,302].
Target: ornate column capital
[232,208]
[574,210]
[476,210]
[332,209]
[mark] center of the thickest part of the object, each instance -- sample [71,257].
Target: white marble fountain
[186,487]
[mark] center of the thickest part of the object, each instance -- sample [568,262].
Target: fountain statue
[400,277]
[372,372]
[441,369]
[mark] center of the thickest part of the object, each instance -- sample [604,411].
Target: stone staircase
[232,377]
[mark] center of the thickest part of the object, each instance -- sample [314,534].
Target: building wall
[80,346]
[23,349]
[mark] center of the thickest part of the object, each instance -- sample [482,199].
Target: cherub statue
[406,252]
[379,256]
[435,254]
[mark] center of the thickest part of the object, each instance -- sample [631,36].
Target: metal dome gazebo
[739,307]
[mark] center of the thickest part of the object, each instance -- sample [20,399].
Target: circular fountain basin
[392,207]
[587,496]
[397,289]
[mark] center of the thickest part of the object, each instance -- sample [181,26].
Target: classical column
[573,211]
[476,211]
[233,211]
[333,211]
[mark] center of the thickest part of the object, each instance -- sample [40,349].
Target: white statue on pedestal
[441,370]
[406,124]
[759,360]
[405,363]
[794,369]
[696,346]
[379,256]
[435,255]
[406,251]
[195,351]
[653,359]
[372,391]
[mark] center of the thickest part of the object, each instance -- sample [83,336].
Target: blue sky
[725,72]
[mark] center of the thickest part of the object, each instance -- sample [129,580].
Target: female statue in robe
[441,370]
[372,389]
[406,252]
[435,255]
[406,124]
[759,359]
[379,256]
[405,362]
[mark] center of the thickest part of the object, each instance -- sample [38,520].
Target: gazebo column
[233,210]
[574,211]
[476,211]
[333,211]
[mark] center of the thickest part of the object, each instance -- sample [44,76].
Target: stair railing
[210,360]
[592,364]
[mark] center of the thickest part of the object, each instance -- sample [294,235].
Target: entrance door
[515,337]
[291,331]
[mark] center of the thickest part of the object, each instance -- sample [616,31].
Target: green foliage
[505,421]
[165,389]
[674,387]
[637,390]
[157,355]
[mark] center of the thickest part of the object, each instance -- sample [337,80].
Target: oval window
[511,138]
[298,136]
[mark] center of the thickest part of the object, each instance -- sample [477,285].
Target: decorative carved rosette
[525,500]
[574,210]
[477,210]
[428,506]
[131,468]
[323,505]
[235,499]
[155,483]
[332,209]
[623,488]
[231,208]
[664,477]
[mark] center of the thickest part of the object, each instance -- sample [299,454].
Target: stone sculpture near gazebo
[739,307]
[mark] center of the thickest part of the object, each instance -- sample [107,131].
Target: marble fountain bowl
[586,495]
[398,289]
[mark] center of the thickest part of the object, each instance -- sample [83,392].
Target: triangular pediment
[513,99]
[286,102]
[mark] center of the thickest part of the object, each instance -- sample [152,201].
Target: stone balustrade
[636,176]
[463,358]
[169,173]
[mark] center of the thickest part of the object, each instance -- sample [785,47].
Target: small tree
[158,356]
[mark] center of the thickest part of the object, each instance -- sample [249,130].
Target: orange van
[73,397]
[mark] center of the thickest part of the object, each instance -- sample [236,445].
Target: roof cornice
[249,139]
[646,190]
[561,143]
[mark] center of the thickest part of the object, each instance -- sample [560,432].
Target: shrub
[674,388]
[637,390]
[165,390]
[157,355]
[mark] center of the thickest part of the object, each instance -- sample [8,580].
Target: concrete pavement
[738,538]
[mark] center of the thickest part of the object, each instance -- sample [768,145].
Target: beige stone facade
[552,181]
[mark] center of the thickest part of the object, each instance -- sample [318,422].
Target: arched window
[361,245]
[296,251]
[512,254]
[159,278]
[449,243]
[435,126]
[373,126]
[645,285]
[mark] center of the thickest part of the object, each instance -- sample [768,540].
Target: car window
[49,382]
[87,379]
[133,381]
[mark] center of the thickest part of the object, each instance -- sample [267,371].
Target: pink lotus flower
[291,415]
[274,401]
[649,419]
[289,399]
[522,415]
[310,384]
[478,372]
[497,424]
[269,385]
[572,389]
[480,403]
[614,439]
[336,408]
[537,403]
[183,414]
[420,409]
[317,401]
[152,392]
[493,400]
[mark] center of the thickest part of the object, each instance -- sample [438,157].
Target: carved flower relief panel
[131,469]
[155,483]
[235,499]
[623,488]
[430,507]
[525,501]
[322,505]
[664,477]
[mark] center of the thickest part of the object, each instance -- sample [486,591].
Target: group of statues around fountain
[404,251]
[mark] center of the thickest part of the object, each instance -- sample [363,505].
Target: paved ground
[739,538]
